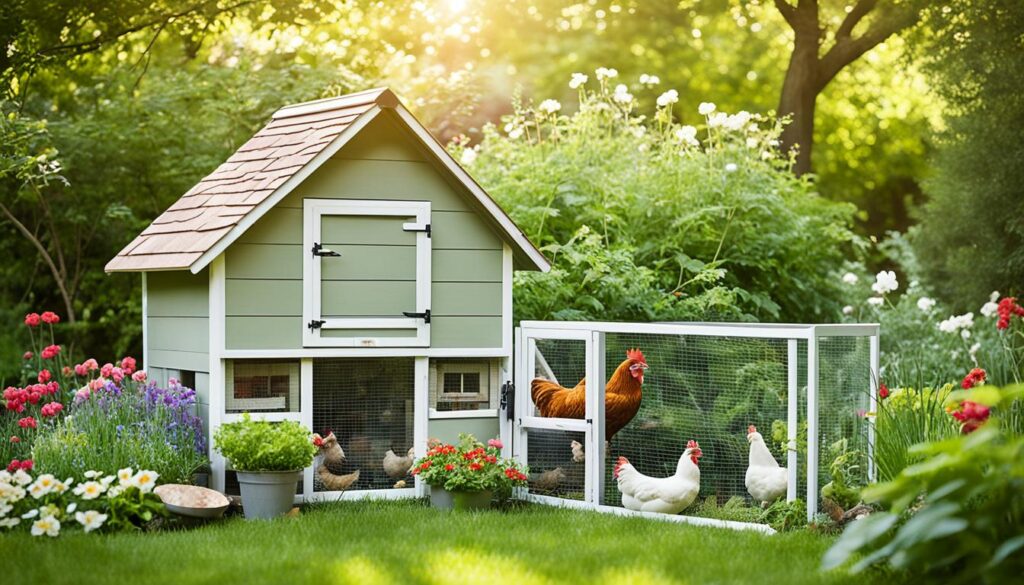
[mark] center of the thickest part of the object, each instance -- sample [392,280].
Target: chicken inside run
[714,424]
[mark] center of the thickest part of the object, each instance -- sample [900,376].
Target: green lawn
[407,542]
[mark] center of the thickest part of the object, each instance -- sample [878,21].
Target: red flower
[449,467]
[26,465]
[883,391]
[128,365]
[1006,309]
[425,465]
[974,378]
[32,320]
[971,415]
[28,355]
[14,465]
[34,397]
[44,376]
[50,317]
[15,439]
[50,351]
[491,459]
[475,466]
[27,423]
[51,409]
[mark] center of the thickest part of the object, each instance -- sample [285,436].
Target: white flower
[5,509]
[850,278]
[21,478]
[925,304]
[106,481]
[731,168]
[124,476]
[669,97]
[30,514]
[965,333]
[91,519]
[990,309]
[876,301]
[605,73]
[737,122]
[994,296]
[5,476]
[848,310]
[649,80]
[49,526]
[577,80]
[90,490]
[622,94]
[145,480]
[92,474]
[717,119]
[751,142]
[885,282]
[114,491]
[705,108]
[43,485]
[956,323]
[71,508]
[687,135]
[9,522]
[468,156]
[974,349]
[515,132]
[549,106]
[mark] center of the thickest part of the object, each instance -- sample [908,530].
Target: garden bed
[390,542]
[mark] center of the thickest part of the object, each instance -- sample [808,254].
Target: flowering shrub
[697,208]
[470,466]
[45,505]
[904,418]
[254,445]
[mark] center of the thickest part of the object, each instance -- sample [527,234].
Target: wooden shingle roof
[298,138]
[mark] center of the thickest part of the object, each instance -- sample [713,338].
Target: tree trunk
[799,92]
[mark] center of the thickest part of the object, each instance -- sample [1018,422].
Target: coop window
[462,385]
[262,386]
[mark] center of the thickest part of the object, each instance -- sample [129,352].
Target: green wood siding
[178,327]
[377,264]
[448,429]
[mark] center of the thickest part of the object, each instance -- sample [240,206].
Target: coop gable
[298,141]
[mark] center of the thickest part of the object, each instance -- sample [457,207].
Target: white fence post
[873,405]
[812,425]
[595,412]
[792,418]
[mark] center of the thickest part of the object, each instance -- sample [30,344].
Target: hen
[766,481]
[666,495]
[398,467]
[622,395]
[332,454]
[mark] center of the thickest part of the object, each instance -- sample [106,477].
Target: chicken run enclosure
[807,388]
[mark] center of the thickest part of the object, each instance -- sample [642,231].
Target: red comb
[751,429]
[692,445]
[636,355]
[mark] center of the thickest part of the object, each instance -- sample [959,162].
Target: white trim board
[340,352]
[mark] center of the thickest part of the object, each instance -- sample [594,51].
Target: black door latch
[425,315]
[319,250]
[508,400]
[315,324]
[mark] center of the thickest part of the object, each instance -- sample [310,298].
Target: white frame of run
[593,335]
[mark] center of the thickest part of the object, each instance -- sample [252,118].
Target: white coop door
[564,448]
[366,273]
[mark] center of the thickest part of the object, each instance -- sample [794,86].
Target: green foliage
[956,515]
[715,224]
[972,228]
[848,475]
[252,445]
[783,515]
[735,509]
[906,418]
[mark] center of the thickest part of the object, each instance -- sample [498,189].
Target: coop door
[366,276]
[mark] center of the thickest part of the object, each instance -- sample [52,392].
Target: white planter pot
[267,494]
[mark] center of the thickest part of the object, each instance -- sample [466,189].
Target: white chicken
[766,481]
[665,495]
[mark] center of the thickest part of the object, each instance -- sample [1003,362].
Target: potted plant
[467,476]
[269,458]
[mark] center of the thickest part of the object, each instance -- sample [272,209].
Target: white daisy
[705,108]
[577,80]
[49,526]
[90,519]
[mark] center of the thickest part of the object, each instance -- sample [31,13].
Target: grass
[408,542]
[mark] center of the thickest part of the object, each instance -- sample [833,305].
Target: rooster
[766,481]
[622,395]
[666,495]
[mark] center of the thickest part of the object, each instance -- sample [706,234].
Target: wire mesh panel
[707,389]
[844,382]
[557,465]
[368,403]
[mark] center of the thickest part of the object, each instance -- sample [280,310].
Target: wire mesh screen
[708,389]
[844,382]
[557,467]
[368,404]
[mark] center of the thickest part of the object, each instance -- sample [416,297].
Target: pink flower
[128,365]
[14,465]
[27,423]
[15,439]
[117,374]
[26,465]
[34,397]
[51,409]
[32,320]
[81,370]
[91,364]
[107,370]
[139,376]
[496,443]
[28,355]
[96,384]
[66,371]
[44,376]
[50,351]
[50,317]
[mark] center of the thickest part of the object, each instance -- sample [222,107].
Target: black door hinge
[319,250]
[508,400]
[425,315]
[315,324]
[422,229]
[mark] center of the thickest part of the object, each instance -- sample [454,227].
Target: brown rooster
[622,395]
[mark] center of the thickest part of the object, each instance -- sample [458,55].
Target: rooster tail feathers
[541,391]
[619,465]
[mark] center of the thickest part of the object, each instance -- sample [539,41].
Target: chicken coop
[340,269]
[808,389]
